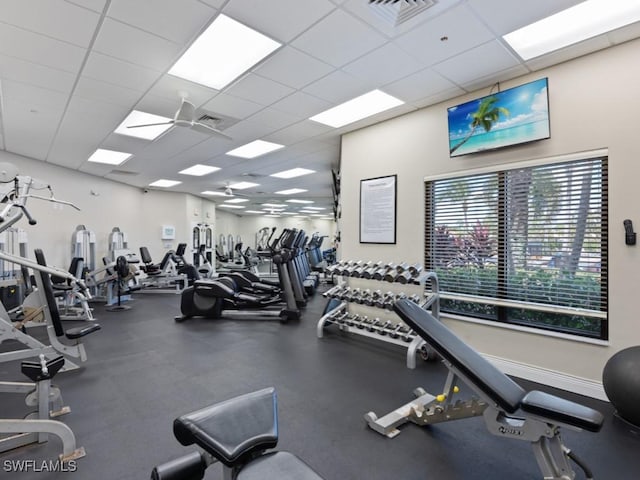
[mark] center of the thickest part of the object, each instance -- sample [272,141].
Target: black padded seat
[234,429]
[492,382]
[79,332]
[506,393]
[562,411]
[280,465]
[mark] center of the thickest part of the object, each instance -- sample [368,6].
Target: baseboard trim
[552,378]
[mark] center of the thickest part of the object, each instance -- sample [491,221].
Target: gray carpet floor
[144,370]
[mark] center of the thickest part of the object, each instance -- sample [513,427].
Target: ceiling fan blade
[186,113]
[203,128]
[150,124]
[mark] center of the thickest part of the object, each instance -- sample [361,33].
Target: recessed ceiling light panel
[291,191]
[236,200]
[164,183]
[109,157]
[294,172]
[199,170]
[294,200]
[137,117]
[255,149]
[243,185]
[356,109]
[223,52]
[226,205]
[580,22]
[213,193]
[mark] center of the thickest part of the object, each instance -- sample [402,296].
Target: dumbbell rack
[368,312]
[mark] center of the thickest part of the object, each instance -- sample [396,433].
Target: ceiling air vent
[396,12]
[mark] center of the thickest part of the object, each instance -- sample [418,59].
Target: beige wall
[106,204]
[594,103]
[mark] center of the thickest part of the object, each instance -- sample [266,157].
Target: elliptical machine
[222,297]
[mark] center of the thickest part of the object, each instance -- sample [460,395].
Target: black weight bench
[508,410]
[237,433]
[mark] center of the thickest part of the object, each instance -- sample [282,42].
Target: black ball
[621,381]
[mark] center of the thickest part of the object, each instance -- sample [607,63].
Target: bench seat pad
[233,429]
[560,410]
[278,466]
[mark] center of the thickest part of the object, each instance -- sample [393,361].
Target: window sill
[529,330]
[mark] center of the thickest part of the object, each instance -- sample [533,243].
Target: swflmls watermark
[39,466]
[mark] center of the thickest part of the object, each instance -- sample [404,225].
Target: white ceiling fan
[186,117]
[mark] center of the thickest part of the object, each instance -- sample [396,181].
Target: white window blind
[526,245]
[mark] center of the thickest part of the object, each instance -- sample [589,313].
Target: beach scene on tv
[510,117]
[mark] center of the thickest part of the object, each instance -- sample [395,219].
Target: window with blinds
[525,245]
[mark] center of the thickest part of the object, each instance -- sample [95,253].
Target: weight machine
[14,192]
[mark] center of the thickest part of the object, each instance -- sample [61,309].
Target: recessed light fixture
[199,170]
[110,157]
[243,185]
[293,200]
[273,209]
[356,109]
[315,208]
[164,183]
[291,191]
[580,22]
[226,205]
[237,200]
[274,205]
[289,213]
[213,193]
[294,172]
[224,51]
[272,216]
[255,149]
[253,211]
[137,117]
[307,211]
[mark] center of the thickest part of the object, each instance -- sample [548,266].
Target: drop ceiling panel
[419,85]
[27,133]
[385,64]
[438,97]
[172,143]
[118,72]
[298,132]
[39,49]
[18,70]
[338,39]
[366,12]
[302,105]
[274,119]
[231,106]
[504,16]
[462,28]
[204,152]
[280,19]
[214,3]
[477,63]
[175,21]
[291,67]
[85,125]
[133,45]
[95,5]
[73,24]
[106,92]
[246,131]
[338,87]
[173,89]
[259,90]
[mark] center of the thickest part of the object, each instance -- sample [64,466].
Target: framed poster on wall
[378,210]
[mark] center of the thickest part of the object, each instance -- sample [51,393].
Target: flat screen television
[511,117]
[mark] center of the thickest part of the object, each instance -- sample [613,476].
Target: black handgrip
[629,234]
